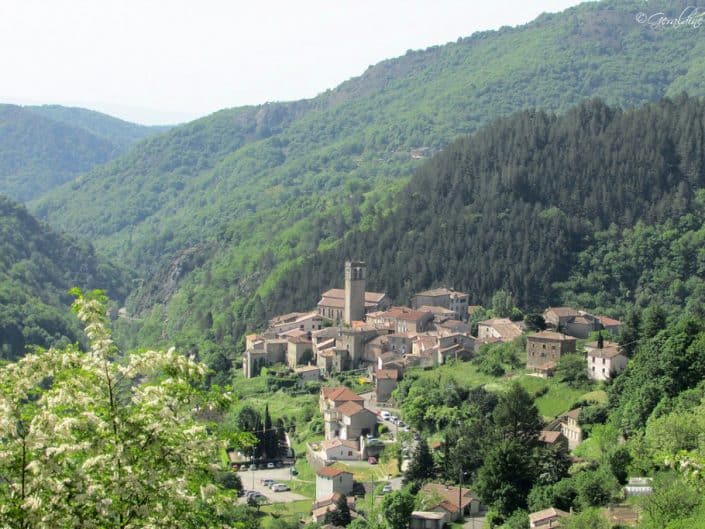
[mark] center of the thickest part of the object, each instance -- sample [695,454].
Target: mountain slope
[43,147]
[513,206]
[121,133]
[253,191]
[37,268]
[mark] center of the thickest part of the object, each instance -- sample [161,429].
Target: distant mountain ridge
[37,268]
[259,189]
[42,147]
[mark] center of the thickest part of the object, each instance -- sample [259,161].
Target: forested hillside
[512,207]
[121,133]
[37,268]
[249,193]
[45,146]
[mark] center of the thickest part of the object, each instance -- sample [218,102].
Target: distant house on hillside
[576,323]
[385,382]
[401,320]
[499,329]
[331,480]
[544,349]
[334,397]
[606,361]
[610,325]
[571,429]
[443,297]
[547,519]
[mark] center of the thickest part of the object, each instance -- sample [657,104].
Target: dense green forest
[213,214]
[121,133]
[512,207]
[42,147]
[37,268]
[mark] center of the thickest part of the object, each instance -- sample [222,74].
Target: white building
[605,362]
[331,480]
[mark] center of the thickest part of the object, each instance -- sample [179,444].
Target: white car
[387,488]
[279,487]
[385,415]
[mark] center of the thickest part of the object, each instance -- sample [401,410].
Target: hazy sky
[164,61]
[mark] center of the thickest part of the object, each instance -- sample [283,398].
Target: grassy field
[553,397]
[291,511]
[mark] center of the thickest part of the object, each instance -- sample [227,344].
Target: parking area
[252,480]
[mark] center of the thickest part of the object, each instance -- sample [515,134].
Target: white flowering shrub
[96,440]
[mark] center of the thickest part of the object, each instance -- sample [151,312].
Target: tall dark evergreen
[421,467]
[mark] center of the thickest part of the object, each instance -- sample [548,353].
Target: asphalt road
[252,480]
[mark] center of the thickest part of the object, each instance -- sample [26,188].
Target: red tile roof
[449,495]
[350,408]
[341,393]
[330,472]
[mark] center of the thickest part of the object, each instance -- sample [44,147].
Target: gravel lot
[252,480]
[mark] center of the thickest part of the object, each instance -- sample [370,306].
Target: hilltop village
[353,330]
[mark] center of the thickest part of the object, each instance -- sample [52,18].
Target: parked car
[372,460]
[385,415]
[387,488]
[393,419]
[267,482]
[279,487]
[253,467]
[401,424]
[270,465]
[293,471]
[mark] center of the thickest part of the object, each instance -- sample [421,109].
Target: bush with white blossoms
[97,440]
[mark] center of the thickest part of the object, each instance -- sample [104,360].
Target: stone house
[331,480]
[308,373]
[401,320]
[499,329]
[266,353]
[304,321]
[544,349]
[610,325]
[443,297]
[299,351]
[606,361]
[385,382]
[349,421]
[576,323]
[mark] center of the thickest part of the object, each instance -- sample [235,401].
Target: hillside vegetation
[37,268]
[42,147]
[230,203]
[513,206]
